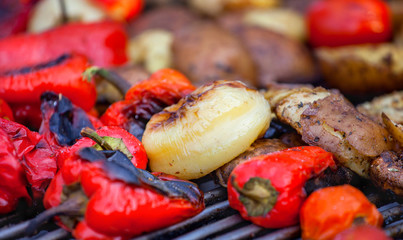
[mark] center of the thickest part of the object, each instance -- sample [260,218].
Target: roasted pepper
[269,189]
[35,154]
[5,111]
[165,87]
[116,199]
[328,211]
[362,232]
[62,121]
[29,115]
[12,179]
[121,9]
[62,75]
[14,16]
[118,138]
[104,43]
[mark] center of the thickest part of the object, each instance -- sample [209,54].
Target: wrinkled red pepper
[165,87]
[119,200]
[269,190]
[12,179]
[104,43]
[61,75]
[62,121]
[5,111]
[72,172]
[35,154]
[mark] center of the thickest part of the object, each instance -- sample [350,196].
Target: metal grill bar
[241,233]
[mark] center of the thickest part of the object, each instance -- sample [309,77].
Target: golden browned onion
[206,129]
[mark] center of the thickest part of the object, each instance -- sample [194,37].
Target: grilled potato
[326,119]
[205,52]
[363,69]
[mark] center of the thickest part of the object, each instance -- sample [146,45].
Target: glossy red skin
[288,172]
[12,179]
[35,154]
[362,232]
[345,22]
[65,78]
[5,111]
[143,208]
[329,211]
[121,9]
[166,85]
[71,165]
[104,43]
[28,114]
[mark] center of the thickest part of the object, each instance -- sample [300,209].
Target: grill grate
[218,221]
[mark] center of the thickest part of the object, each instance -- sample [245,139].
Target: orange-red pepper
[269,190]
[104,43]
[121,9]
[61,75]
[328,211]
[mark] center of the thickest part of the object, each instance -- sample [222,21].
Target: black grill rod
[241,233]
[215,195]
[395,229]
[285,233]
[212,228]
[392,214]
[210,212]
[14,231]
[53,235]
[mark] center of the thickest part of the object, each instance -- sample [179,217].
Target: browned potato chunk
[165,18]
[205,52]
[391,104]
[363,69]
[386,172]
[327,120]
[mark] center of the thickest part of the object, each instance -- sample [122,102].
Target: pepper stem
[90,133]
[110,76]
[257,195]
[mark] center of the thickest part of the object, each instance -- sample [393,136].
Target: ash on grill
[217,221]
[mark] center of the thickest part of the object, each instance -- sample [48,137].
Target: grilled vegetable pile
[110,109]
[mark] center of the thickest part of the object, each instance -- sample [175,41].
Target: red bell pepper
[72,172]
[329,211]
[104,43]
[61,75]
[29,115]
[35,154]
[12,179]
[14,16]
[269,189]
[117,199]
[62,121]
[165,87]
[5,111]
[121,9]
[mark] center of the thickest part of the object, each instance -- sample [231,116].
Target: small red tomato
[362,232]
[334,23]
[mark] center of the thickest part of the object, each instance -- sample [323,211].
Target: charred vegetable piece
[269,189]
[206,129]
[386,172]
[120,200]
[61,75]
[329,211]
[62,121]
[326,119]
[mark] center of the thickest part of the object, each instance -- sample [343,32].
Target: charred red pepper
[115,137]
[12,179]
[116,199]
[165,87]
[329,211]
[61,75]
[62,121]
[35,154]
[104,43]
[5,111]
[269,190]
